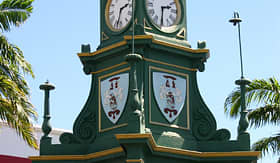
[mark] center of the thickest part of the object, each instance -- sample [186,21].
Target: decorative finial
[235,20]
[46,127]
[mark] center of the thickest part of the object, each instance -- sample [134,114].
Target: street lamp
[242,82]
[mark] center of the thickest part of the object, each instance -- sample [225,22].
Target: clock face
[118,14]
[163,13]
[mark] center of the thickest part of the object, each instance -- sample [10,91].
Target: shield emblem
[114,92]
[170,94]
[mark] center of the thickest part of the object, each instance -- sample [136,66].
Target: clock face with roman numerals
[118,14]
[163,13]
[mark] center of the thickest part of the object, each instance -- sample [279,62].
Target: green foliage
[271,143]
[268,114]
[14,12]
[258,92]
[266,95]
[15,106]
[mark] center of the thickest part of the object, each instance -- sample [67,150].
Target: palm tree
[265,94]
[15,106]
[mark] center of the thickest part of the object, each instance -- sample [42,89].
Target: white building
[12,144]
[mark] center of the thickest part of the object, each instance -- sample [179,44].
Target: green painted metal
[243,135]
[46,126]
[194,129]
[143,25]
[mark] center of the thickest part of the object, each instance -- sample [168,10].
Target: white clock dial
[164,13]
[118,13]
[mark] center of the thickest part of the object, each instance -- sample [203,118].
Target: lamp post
[242,82]
[46,127]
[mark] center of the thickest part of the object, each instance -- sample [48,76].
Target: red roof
[13,159]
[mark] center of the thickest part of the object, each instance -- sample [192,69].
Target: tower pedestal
[144,104]
[146,110]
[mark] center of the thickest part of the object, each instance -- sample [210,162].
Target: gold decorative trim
[145,25]
[109,68]
[186,100]
[134,136]
[135,160]
[114,73]
[180,47]
[78,157]
[128,37]
[104,36]
[114,127]
[158,148]
[138,37]
[171,65]
[99,101]
[179,34]
[110,47]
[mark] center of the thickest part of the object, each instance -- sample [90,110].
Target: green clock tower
[144,104]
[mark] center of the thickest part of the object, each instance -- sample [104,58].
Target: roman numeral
[168,22]
[174,11]
[155,19]
[172,3]
[112,18]
[120,24]
[150,4]
[172,18]
[129,13]
[116,25]
[151,12]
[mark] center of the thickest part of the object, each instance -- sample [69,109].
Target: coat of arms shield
[114,91]
[170,94]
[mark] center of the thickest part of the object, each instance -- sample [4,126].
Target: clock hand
[124,6]
[161,18]
[120,12]
[162,10]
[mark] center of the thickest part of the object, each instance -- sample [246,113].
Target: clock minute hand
[161,18]
[120,12]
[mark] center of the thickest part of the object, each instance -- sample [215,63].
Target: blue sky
[52,37]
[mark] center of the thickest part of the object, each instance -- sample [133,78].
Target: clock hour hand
[120,12]
[124,6]
[162,10]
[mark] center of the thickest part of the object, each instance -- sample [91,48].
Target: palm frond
[12,60]
[232,103]
[14,13]
[257,92]
[16,110]
[263,91]
[268,114]
[268,144]
[15,106]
